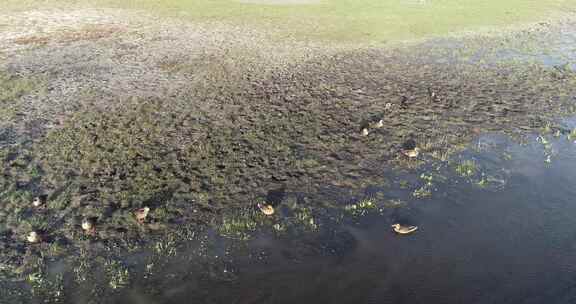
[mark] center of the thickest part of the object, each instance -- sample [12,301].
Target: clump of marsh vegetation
[467,168]
[361,207]
[428,180]
[422,192]
[572,134]
[241,225]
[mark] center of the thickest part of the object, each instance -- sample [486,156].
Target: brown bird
[37,202]
[411,153]
[141,214]
[266,209]
[409,149]
[34,237]
[404,229]
[88,225]
[378,124]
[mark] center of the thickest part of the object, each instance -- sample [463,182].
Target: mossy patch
[12,88]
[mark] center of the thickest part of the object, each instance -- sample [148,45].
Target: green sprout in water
[483,182]
[279,228]
[394,203]
[241,224]
[118,275]
[404,184]
[427,178]
[466,168]
[49,290]
[422,192]
[361,207]
[305,218]
[572,135]
[238,227]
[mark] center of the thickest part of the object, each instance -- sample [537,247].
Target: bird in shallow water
[404,229]
[88,225]
[411,153]
[34,237]
[38,202]
[378,124]
[266,209]
[141,214]
[409,149]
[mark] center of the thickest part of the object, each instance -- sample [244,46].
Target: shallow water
[509,241]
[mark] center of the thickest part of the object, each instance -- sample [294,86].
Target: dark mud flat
[202,157]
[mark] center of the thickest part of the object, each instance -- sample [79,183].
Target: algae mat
[344,20]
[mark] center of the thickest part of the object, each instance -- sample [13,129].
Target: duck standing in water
[39,202]
[34,237]
[266,209]
[88,225]
[409,149]
[141,214]
[404,229]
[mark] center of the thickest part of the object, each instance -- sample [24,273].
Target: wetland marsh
[137,151]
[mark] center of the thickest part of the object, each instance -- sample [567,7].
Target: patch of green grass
[11,89]
[342,20]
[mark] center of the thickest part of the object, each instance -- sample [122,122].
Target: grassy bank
[344,20]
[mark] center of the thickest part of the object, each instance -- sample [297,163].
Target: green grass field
[345,20]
